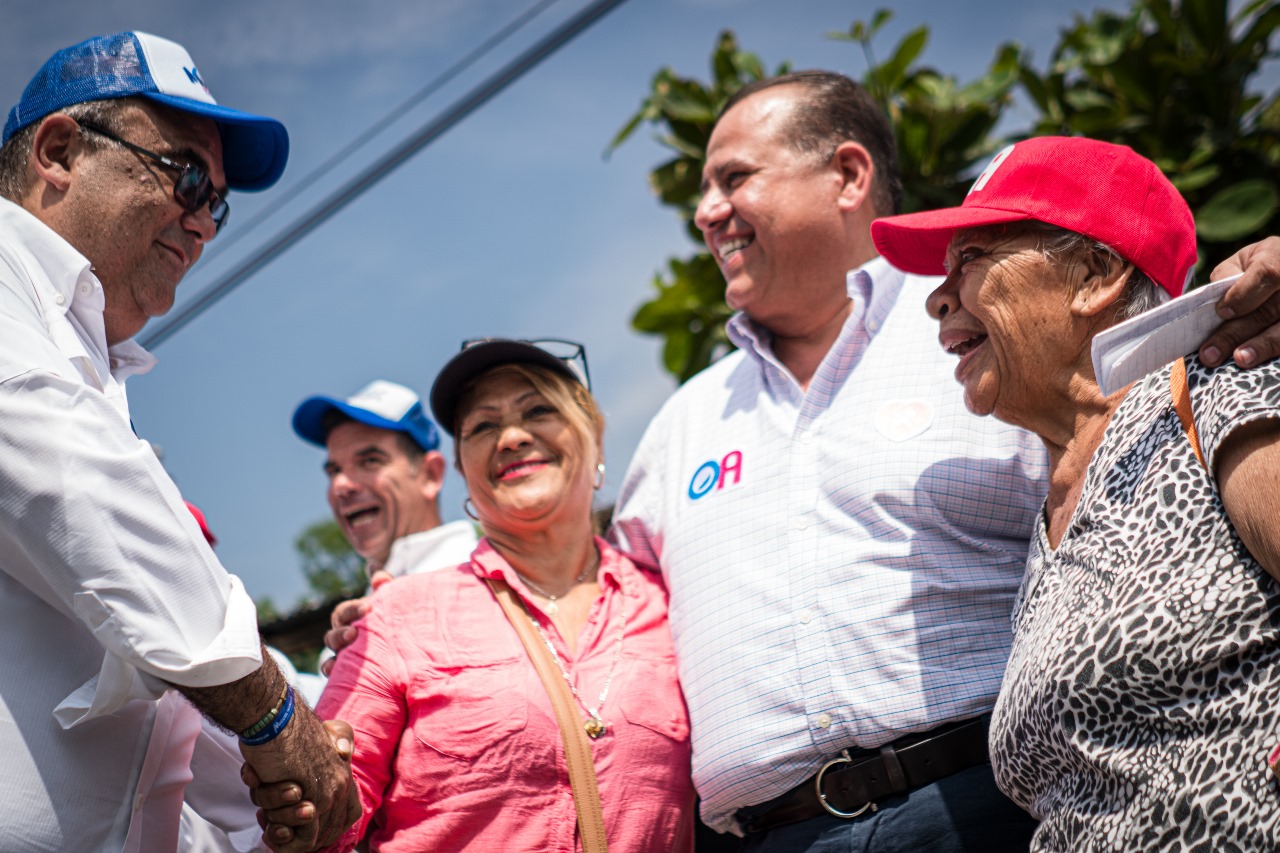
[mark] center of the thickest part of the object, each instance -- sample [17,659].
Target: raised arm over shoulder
[1250,307]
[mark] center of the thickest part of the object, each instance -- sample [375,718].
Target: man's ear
[433,466]
[56,144]
[857,173]
[1105,277]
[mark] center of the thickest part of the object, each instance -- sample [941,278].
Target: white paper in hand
[1149,341]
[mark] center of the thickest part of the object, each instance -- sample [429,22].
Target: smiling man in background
[385,473]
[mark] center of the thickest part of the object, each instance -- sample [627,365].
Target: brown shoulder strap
[577,749]
[1181,395]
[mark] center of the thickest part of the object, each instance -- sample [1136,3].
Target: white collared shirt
[107,589]
[842,561]
[440,547]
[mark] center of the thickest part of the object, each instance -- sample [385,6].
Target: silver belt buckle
[843,758]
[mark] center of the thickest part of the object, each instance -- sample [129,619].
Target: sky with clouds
[513,224]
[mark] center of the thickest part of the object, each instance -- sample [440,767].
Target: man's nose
[200,224]
[341,485]
[713,209]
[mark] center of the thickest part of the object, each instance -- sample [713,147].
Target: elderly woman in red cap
[527,699]
[1142,694]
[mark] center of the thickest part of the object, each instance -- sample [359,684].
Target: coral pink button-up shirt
[456,744]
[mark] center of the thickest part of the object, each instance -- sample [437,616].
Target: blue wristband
[277,725]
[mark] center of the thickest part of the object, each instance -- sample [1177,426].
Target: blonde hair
[568,396]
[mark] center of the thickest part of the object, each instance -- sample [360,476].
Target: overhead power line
[378,170]
[279,200]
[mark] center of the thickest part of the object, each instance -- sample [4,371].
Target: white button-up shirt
[107,589]
[440,547]
[842,561]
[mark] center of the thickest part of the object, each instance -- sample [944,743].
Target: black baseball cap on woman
[564,357]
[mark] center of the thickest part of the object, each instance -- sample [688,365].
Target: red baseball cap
[1104,191]
[204,525]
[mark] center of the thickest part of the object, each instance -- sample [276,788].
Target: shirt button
[84,287]
[805,617]
[60,299]
[872,326]
[824,721]
[798,523]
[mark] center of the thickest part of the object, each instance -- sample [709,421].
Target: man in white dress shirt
[385,473]
[841,539]
[113,171]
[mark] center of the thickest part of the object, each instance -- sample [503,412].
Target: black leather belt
[850,784]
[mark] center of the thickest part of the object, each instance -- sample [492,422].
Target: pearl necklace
[594,725]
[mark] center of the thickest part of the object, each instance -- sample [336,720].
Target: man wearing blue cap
[114,172]
[385,473]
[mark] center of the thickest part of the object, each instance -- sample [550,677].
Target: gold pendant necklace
[594,725]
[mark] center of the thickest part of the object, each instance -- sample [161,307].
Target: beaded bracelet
[273,723]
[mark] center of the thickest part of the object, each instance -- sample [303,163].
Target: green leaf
[1260,30]
[892,72]
[622,135]
[722,64]
[1035,86]
[748,67]
[1196,178]
[1237,211]
[1269,115]
[1205,21]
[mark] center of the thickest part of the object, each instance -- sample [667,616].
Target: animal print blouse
[1142,693]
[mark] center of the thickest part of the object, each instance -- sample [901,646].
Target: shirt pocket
[472,713]
[652,700]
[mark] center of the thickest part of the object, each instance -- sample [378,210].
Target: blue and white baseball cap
[254,148]
[380,404]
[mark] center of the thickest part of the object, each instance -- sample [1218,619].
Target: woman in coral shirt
[456,743]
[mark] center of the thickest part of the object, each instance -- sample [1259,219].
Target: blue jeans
[963,813]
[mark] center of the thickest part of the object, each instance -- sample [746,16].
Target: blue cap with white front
[254,148]
[380,404]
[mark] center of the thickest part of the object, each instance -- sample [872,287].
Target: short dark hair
[17,151]
[335,418]
[835,109]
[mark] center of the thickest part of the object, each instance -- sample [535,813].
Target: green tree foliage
[1170,80]
[267,611]
[943,129]
[328,562]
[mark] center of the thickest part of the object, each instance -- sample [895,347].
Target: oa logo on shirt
[711,475]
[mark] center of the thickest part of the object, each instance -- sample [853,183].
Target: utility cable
[353,188]
[377,127]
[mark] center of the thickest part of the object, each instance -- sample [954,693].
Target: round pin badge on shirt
[903,420]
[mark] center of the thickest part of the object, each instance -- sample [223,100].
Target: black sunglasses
[193,189]
[573,354]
